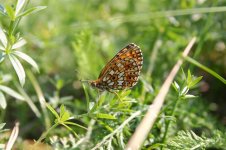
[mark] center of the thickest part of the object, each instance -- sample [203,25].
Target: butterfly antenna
[84,80]
[79,75]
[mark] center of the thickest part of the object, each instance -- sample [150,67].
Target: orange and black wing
[123,70]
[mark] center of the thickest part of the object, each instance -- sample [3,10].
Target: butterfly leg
[115,94]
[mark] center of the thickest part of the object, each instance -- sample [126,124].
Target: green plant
[188,140]
[73,40]
[11,42]
[182,92]
[2,145]
[61,119]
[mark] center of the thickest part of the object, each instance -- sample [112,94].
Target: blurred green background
[73,39]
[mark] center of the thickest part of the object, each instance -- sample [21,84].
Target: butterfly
[122,71]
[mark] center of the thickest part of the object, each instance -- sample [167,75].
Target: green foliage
[190,83]
[2,145]
[61,119]
[11,93]
[11,41]
[69,41]
[188,140]
[216,75]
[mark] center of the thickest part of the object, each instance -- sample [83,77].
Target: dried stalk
[146,124]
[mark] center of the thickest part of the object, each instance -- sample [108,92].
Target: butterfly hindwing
[123,70]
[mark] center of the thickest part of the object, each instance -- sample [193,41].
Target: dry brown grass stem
[146,124]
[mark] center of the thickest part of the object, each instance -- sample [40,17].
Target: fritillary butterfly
[122,71]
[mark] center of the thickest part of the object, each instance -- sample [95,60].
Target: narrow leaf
[92,106]
[216,75]
[65,116]
[106,126]
[27,58]
[3,38]
[3,103]
[104,116]
[21,42]
[52,111]
[10,12]
[70,129]
[11,92]
[75,124]
[188,96]
[19,6]
[176,86]
[185,90]
[195,81]
[62,110]
[189,78]
[2,125]
[18,68]
[32,10]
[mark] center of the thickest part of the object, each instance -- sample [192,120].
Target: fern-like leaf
[188,140]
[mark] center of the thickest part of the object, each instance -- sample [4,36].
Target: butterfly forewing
[122,71]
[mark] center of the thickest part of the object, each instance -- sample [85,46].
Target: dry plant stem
[13,137]
[146,124]
[134,115]
[41,98]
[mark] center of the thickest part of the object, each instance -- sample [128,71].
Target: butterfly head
[91,82]
[94,84]
[97,84]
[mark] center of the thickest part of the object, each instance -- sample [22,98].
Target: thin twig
[146,124]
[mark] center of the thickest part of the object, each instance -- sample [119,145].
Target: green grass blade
[191,60]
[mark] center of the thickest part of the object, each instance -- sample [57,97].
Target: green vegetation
[47,48]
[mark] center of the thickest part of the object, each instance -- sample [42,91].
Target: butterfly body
[122,71]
